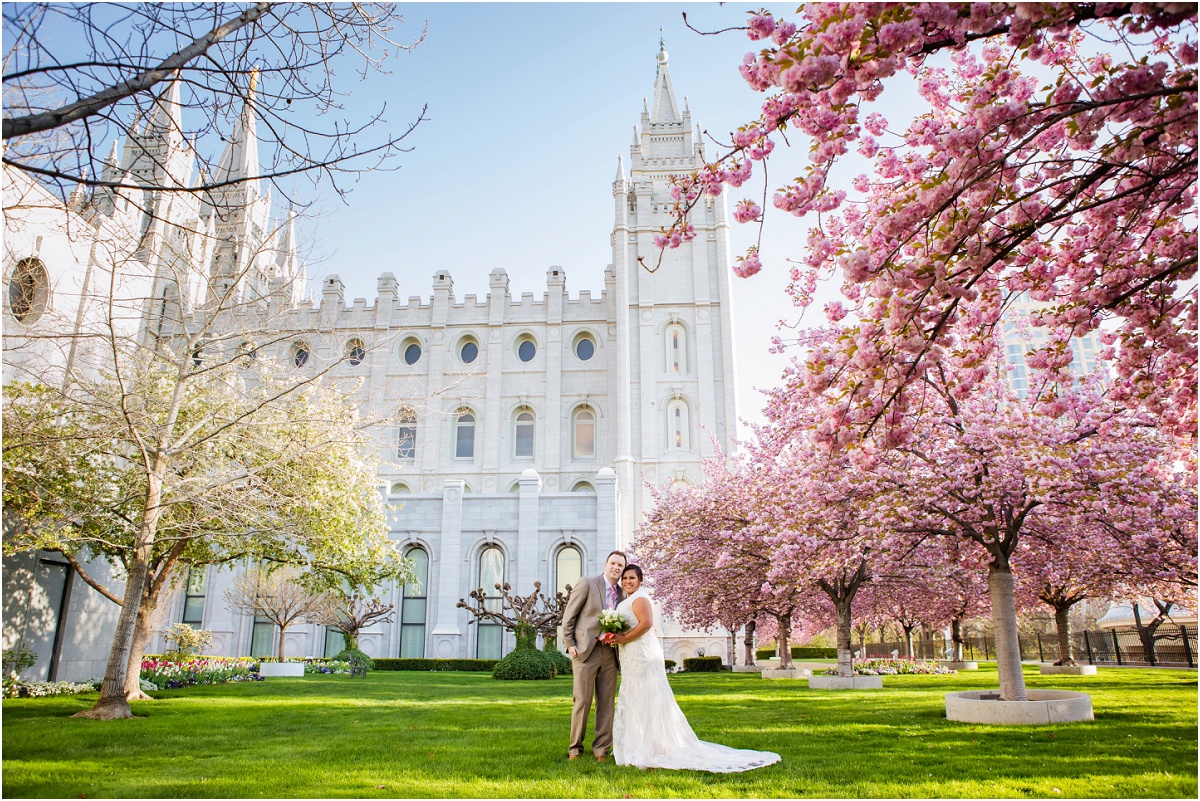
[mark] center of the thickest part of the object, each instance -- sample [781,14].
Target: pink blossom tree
[1057,159]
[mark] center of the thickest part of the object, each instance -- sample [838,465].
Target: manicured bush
[475,665]
[702,664]
[526,662]
[670,665]
[354,655]
[799,652]
[562,662]
[525,665]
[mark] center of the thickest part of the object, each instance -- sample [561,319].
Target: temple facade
[531,426]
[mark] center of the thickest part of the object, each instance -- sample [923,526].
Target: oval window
[469,352]
[585,349]
[300,354]
[28,289]
[526,350]
[412,354]
[357,353]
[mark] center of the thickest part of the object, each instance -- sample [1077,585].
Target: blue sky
[529,107]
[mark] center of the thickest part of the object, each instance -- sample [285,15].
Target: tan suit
[595,665]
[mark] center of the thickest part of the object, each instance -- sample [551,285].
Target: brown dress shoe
[600,758]
[572,757]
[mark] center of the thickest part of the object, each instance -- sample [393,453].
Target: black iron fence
[1168,645]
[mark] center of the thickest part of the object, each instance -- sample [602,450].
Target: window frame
[575,423]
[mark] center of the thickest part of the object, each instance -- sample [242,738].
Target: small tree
[280,595]
[188,642]
[350,612]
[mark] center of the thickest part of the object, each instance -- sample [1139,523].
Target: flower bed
[46,689]
[167,675]
[313,666]
[893,667]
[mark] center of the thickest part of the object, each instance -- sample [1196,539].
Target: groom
[594,667]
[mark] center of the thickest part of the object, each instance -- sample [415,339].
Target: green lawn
[408,734]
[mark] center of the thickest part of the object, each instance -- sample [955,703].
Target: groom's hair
[618,553]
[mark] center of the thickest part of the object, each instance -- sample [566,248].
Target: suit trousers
[595,675]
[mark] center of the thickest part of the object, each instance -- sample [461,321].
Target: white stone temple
[536,420]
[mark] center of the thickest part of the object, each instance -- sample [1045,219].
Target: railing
[1169,645]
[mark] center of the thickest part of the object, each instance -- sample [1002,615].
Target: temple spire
[665,108]
[239,161]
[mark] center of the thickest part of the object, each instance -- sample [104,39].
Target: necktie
[612,597]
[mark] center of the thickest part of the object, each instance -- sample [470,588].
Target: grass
[412,735]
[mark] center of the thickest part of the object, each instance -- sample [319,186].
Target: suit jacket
[581,618]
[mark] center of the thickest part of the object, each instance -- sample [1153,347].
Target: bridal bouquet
[611,623]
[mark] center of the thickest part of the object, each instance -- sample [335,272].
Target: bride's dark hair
[635,569]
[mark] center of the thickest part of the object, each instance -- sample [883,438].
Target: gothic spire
[239,161]
[665,108]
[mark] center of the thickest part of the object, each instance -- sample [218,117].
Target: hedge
[702,664]
[670,663]
[478,665]
[798,652]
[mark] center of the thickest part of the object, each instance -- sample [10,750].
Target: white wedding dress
[650,730]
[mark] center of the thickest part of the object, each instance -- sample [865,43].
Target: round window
[469,352]
[526,350]
[300,354]
[357,353]
[412,354]
[585,348]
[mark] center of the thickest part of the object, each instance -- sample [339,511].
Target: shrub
[670,664]
[526,664]
[354,655]
[702,664]
[800,652]
[314,666]
[188,641]
[474,665]
[562,662]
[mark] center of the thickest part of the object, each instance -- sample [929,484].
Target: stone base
[748,668]
[787,673]
[840,683]
[1069,670]
[950,663]
[278,669]
[1043,707]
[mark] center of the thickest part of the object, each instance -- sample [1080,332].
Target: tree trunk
[750,643]
[957,639]
[282,631]
[908,642]
[1062,620]
[113,704]
[845,664]
[141,636]
[1004,619]
[785,647]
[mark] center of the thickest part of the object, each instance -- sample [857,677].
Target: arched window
[678,428]
[490,642]
[568,568]
[464,435]
[406,438]
[583,486]
[585,433]
[399,488]
[356,352]
[28,290]
[676,353]
[523,435]
[414,606]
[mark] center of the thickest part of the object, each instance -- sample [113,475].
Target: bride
[649,730]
